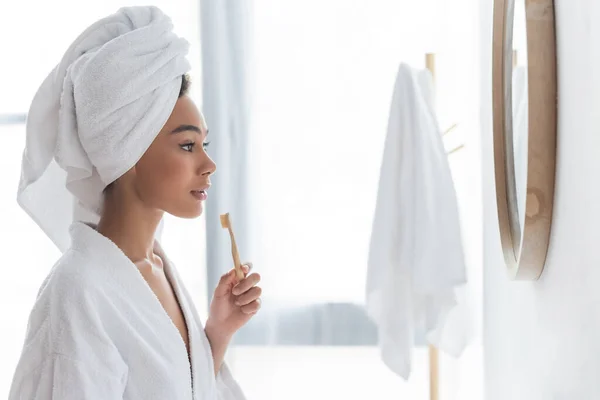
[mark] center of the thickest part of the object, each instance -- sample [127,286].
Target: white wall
[542,339]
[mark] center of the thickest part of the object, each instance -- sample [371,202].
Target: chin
[187,212]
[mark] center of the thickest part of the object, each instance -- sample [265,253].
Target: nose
[207,166]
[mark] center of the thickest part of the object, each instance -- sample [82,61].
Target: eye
[205,145]
[188,146]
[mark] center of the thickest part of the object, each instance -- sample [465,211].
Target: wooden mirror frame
[525,255]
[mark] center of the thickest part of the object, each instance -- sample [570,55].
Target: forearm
[218,344]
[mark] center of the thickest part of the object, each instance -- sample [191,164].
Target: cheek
[176,169]
[168,177]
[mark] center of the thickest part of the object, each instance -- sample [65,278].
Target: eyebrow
[182,128]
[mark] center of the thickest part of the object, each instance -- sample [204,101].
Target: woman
[112,319]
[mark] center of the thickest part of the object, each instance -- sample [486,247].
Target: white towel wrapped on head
[96,114]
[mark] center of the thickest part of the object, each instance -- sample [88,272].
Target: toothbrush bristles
[225,220]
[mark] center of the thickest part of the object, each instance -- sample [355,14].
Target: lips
[200,193]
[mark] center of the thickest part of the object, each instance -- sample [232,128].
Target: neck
[130,225]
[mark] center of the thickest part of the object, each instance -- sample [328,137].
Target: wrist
[216,335]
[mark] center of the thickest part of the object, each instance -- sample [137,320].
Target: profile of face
[174,173]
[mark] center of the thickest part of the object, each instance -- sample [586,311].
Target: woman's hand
[234,303]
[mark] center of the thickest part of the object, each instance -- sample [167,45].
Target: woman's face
[174,173]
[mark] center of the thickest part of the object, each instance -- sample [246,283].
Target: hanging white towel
[416,257]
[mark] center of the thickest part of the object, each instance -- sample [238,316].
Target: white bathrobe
[416,257]
[97,331]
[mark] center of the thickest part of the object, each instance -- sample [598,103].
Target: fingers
[230,276]
[251,308]
[245,284]
[249,296]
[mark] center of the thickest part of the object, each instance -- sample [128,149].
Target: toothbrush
[226,224]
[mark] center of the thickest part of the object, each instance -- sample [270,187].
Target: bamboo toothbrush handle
[236,256]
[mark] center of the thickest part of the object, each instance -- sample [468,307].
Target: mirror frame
[525,252]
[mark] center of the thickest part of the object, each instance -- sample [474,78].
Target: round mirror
[524,101]
[517,121]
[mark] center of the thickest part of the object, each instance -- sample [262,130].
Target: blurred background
[306,86]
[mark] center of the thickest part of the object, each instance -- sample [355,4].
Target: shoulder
[67,341]
[69,302]
[66,331]
[74,277]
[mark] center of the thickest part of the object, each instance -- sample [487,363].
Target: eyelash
[192,145]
